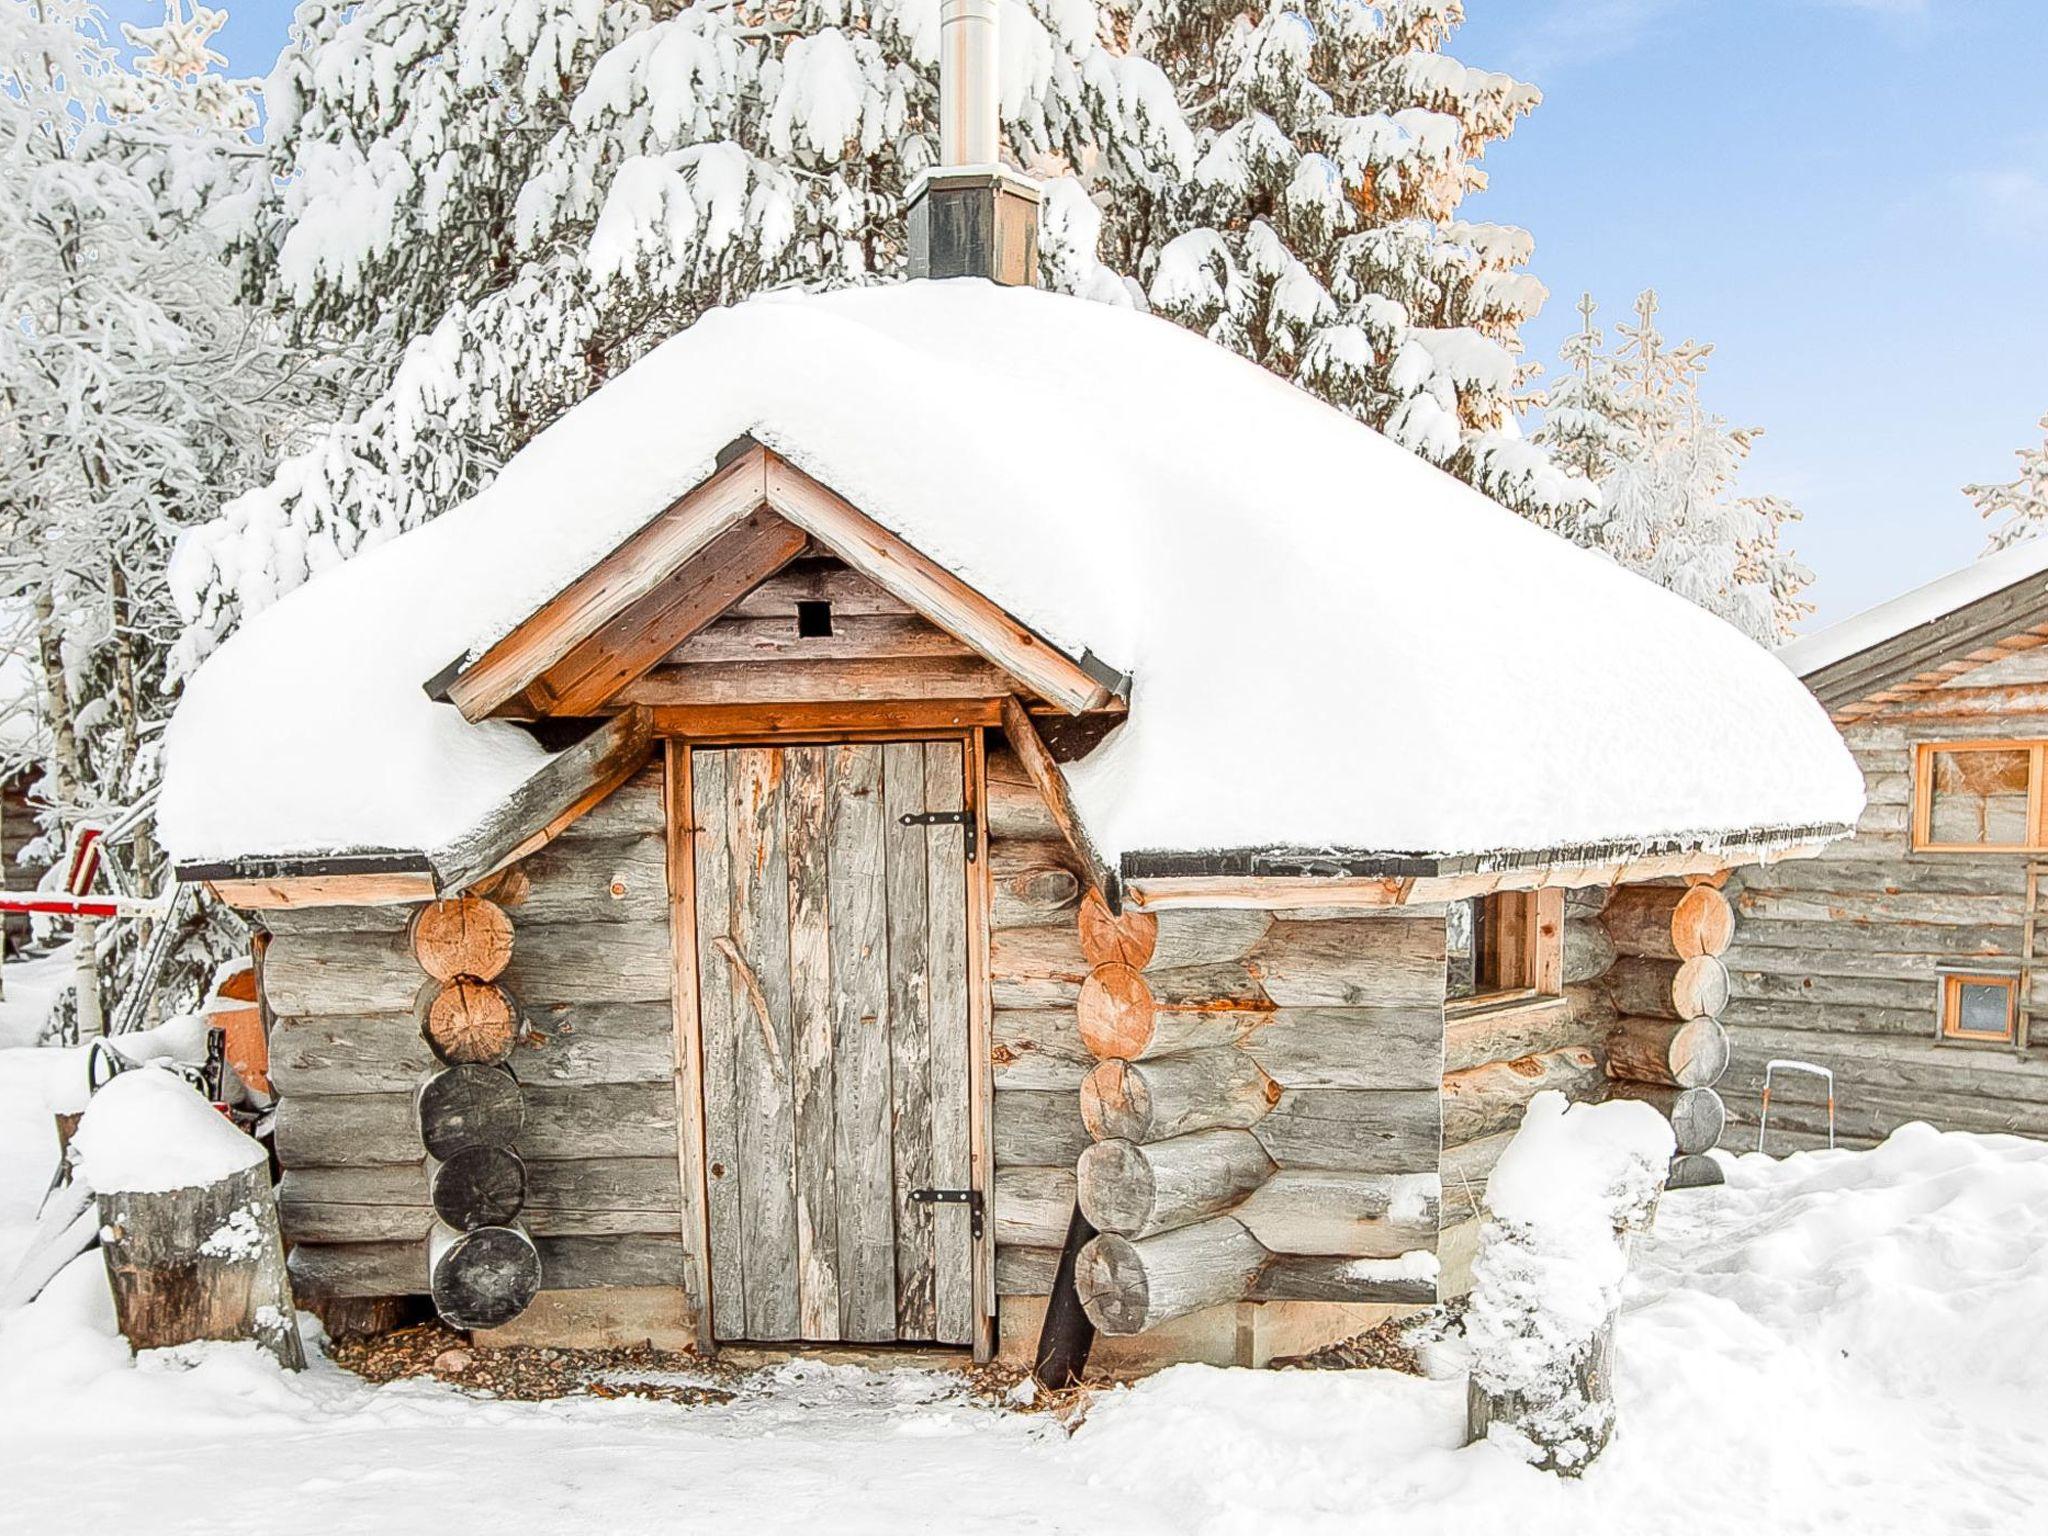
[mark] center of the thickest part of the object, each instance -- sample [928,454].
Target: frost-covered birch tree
[2021,504]
[485,208]
[133,385]
[1632,420]
[1320,233]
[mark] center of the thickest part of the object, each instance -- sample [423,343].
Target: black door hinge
[971,1198]
[958,819]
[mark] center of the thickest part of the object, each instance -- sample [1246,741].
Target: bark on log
[1697,1115]
[1692,1053]
[484,1278]
[463,936]
[1482,1100]
[1694,1171]
[1129,1286]
[1669,922]
[469,1106]
[205,1262]
[1122,938]
[1137,1191]
[1588,952]
[1153,1100]
[479,1187]
[1356,1215]
[466,1021]
[1669,989]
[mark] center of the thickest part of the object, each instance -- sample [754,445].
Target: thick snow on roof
[1334,643]
[1873,626]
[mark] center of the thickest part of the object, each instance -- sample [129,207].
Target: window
[1506,947]
[813,620]
[1980,1009]
[1979,797]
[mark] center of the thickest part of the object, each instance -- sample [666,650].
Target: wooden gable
[699,610]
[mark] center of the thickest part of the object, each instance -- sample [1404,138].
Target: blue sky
[1848,197]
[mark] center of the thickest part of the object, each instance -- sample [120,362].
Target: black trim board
[302,866]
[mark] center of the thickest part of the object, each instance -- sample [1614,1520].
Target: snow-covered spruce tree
[1633,422]
[2021,503]
[132,383]
[1319,234]
[485,208]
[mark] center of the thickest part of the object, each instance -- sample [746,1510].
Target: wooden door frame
[680,833]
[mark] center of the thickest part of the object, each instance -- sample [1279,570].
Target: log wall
[1837,959]
[592,971]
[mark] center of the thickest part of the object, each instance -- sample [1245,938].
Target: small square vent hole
[813,621]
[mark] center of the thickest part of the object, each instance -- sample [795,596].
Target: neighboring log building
[776,920]
[1909,959]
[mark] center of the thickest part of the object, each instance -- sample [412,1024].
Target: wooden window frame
[1525,953]
[1950,1016]
[1923,795]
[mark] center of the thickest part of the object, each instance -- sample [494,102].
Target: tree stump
[204,1262]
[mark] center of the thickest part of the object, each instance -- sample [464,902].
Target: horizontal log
[573,1198]
[1043,967]
[1129,1286]
[1509,1033]
[816,581]
[589,880]
[1206,936]
[352,973]
[1588,952]
[1014,808]
[1127,1013]
[1351,963]
[567,1264]
[1354,1131]
[1481,1100]
[1668,989]
[569,1043]
[771,682]
[1361,1215]
[1893,1064]
[1038,1048]
[1029,1207]
[1152,1100]
[854,637]
[1025,1271]
[1466,1168]
[1669,922]
[1370,1048]
[1303,1277]
[1692,1053]
[1697,1115]
[1032,885]
[1139,1190]
[347,1130]
[1950,940]
[1038,1128]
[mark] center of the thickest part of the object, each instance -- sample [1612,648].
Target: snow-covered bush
[1562,1204]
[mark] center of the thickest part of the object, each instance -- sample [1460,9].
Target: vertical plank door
[832,957]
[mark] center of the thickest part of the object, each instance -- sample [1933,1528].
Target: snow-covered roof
[1890,619]
[1334,644]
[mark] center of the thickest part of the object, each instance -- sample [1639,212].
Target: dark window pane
[1983,1008]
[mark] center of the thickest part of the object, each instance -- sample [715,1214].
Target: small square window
[1983,1010]
[1504,946]
[813,621]
[1979,796]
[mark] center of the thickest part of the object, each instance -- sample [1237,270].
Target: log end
[1110,1279]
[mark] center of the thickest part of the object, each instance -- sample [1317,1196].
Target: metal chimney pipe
[967,82]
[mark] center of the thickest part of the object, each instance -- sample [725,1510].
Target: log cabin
[1904,959]
[921,810]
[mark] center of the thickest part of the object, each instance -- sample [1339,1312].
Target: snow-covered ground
[1844,1342]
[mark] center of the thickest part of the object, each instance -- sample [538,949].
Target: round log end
[1110,1279]
[1703,924]
[462,936]
[1116,1187]
[1695,1171]
[1701,986]
[469,1106]
[480,1187]
[485,1278]
[1127,938]
[469,1021]
[1114,1102]
[1116,1011]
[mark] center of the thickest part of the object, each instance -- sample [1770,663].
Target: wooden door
[832,965]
